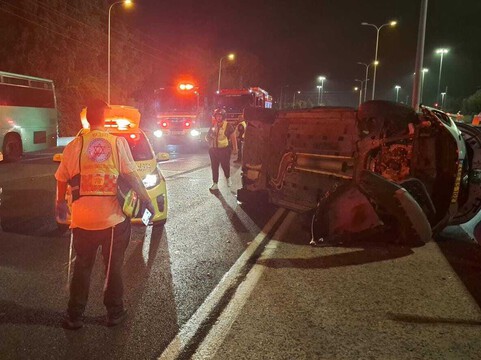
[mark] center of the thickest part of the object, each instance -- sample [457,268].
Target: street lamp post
[294,98]
[127,3]
[397,87]
[281,100]
[321,79]
[361,90]
[230,57]
[378,29]
[319,87]
[375,63]
[443,97]
[441,51]
[424,71]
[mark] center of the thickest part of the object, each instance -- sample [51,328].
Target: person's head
[96,112]
[219,115]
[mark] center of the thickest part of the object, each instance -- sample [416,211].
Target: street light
[375,63]
[441,51]
[378,29]
[424,71]
[397,87]
[443,97]
[230,57]
[127,3]
[294,98]
[361,89]
[319,87]
[321,79]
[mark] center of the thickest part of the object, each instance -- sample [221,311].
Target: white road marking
[214,339]
[146,244]
[191,327]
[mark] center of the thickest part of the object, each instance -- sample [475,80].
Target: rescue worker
[92,164]
[241,130]
[221,138]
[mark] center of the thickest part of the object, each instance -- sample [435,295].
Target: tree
[472,105]
[67,42]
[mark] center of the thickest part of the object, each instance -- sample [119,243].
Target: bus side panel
[36,126]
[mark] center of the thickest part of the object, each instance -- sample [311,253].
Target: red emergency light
[186,86]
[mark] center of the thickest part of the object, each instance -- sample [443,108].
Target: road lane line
[216,336]
[229,281]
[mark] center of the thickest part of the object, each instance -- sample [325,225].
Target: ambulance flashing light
[119,117]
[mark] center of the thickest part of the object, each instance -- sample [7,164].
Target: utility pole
[419,55]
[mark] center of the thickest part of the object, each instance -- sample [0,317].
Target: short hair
[95,112]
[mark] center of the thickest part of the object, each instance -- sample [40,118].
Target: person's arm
[62,175]
[61,207]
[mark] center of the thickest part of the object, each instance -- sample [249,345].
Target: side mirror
[57,157]
[162,156]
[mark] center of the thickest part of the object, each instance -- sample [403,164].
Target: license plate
[174,132]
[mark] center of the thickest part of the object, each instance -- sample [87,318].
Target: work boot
[229,182]
[214,187]
[117,318]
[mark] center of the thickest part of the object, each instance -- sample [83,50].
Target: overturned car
[383,166]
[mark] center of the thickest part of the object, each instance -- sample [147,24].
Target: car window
[139,146]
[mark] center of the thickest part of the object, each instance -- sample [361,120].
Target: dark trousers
[219,156]
[86,243]
[240,142]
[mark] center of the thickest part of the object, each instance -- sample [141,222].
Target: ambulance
[124,121]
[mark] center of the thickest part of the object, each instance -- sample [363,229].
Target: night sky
[299,40]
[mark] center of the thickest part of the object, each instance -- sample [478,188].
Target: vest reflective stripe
[98,164]
[220,140]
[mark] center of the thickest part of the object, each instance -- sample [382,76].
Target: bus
[28,115]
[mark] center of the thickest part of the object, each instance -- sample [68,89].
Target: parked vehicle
[28,115]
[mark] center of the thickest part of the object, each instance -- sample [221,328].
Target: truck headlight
[151,180]
[158,133]
[194,133]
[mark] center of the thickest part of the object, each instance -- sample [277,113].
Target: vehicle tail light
[164,124]
[187,124]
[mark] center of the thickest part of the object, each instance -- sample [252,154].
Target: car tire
[12,147]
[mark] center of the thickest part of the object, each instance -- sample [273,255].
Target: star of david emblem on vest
[99,150]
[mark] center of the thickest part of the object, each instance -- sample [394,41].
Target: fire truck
[234,101]
[178,113]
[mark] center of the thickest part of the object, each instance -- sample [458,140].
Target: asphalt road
[168,272]
[363,299]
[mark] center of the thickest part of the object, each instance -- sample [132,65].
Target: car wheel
[12,148]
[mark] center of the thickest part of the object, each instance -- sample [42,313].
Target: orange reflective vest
[98,164]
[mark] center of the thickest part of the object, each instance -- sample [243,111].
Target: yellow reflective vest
[98,164]
[241,130]
[219,138]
